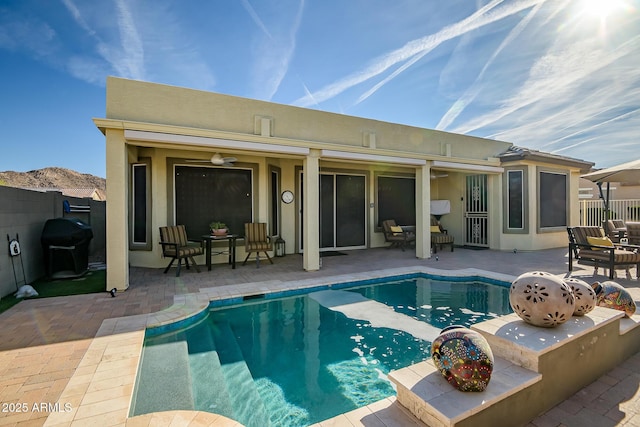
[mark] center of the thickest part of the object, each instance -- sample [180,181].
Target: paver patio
[49,349]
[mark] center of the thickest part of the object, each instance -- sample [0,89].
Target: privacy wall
[23,214]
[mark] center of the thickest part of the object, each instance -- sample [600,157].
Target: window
[515,199]
[396,199]
[274,212]
[140,229]
[205,194]
[552,201]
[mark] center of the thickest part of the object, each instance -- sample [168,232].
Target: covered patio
[51,348]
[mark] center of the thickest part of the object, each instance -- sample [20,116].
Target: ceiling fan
[217,160]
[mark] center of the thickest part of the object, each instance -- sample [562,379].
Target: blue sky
[561,76]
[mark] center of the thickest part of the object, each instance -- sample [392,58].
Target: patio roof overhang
[200,141]
[195,141]
[466,167]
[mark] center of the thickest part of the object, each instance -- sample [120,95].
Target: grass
[92,282]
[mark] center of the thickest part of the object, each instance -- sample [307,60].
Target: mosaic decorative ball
[463,357]
[541,299]
[584,294]
[612,295]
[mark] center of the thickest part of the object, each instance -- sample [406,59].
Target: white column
[423,211]
[117,217]
[310,212]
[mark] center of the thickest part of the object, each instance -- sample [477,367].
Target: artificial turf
[93,281]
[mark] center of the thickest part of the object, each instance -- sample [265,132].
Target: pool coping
[101,388]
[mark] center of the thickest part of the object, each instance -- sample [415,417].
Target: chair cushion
[257,246]
[441,238]
[599,241]
[396,230]
[435,229]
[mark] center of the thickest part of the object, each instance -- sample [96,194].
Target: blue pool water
[295,361]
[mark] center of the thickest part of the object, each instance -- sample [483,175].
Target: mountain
[53,178]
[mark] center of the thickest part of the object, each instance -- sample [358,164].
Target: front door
[476,211]
[342,211]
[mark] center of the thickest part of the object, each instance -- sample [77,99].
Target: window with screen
[140,235]
[515,199]
[552,203]
[206,194]
[396,199]
[274,200]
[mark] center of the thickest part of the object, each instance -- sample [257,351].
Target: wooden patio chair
[395,235]
[175,244]
[256,240]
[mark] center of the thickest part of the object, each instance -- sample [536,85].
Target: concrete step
[164,380]
[211,395]
[427,395]
[247,404]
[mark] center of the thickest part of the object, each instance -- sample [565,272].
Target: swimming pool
[296,360]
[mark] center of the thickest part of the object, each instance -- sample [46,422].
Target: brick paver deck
[46,342]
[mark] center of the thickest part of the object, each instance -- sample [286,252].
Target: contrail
[479,19]
[471,93]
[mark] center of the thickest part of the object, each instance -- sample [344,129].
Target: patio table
[231,238]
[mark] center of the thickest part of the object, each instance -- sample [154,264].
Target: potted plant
[218,228]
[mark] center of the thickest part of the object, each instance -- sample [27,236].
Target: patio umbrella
[627,172]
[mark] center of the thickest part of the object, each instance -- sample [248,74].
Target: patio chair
[256,240]
[175,244]
[616,229]
[439,236]
[395,235]
[633,233]
[589,245]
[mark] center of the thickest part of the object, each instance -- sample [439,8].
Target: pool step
[247,403]
[210,395]
[169,390]
[428,396]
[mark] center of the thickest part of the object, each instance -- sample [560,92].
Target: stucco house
[347,174]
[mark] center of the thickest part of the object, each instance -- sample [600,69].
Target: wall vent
[263,126]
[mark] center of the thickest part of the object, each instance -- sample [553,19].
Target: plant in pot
[218,228]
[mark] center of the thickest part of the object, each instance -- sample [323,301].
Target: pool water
[298,360]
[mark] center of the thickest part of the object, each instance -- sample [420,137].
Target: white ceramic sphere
[541,299]
[585,296]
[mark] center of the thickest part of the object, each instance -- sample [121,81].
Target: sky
[559,76]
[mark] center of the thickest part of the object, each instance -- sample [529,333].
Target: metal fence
[592,211]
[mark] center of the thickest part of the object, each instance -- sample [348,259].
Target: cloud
[275,48]
[488,14]
[473,91]
[28,33]
[134,48]
[252,12]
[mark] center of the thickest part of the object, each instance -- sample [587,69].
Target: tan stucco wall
[137,101]
[180,114]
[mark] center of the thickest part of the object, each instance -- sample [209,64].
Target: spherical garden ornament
[463,357]
[584,294]
[612,295]
[541,299]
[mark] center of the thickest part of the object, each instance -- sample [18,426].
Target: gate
[476,211]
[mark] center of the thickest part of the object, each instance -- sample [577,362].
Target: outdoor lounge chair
[439,236]
[395,235]
[633,232]
[616,229]
[176,245]
[589,245]
[256,240]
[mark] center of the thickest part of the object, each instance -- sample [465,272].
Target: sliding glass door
[342,211]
